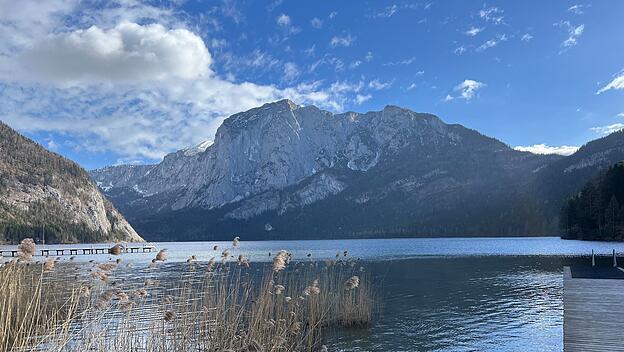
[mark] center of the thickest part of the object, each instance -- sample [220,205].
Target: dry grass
[210,306]
[31,311]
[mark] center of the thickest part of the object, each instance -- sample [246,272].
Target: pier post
[614,259]
[593,259]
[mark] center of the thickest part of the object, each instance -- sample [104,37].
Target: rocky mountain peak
[299,169]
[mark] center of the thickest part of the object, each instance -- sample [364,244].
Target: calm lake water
[458,294]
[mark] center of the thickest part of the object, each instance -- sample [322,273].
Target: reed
[210,306]
[32,309]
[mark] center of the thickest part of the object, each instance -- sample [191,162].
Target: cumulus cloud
[608,129]
[466,90]
[616,84]
[526,37]
[345,41]
[127,52]
[546,149]
[123,86]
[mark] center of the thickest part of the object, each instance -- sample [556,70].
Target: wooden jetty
[45,252]
[593,312]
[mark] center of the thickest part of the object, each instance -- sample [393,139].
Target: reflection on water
[368,249]
[465,304]
[502,294]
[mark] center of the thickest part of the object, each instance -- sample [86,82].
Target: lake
[451,294]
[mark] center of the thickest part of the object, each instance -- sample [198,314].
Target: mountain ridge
[40,188]
[283,168]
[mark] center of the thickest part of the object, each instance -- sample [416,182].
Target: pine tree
[611,217]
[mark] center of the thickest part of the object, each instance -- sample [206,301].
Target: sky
[113,82]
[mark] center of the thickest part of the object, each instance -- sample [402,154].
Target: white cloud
[126,53]
[412,86]
[492,14]
[466,90]
[283,20]
[316,23]
[291,71]
[608,129]
[526,37]
[345,41]
[355,64]
[616,84]
[378,85]
[359,99]
[136,90]
[332,15]
[620,114]
[546,149]
[407,61]
[574,33]
[460,50]
[473,31]
[387,12]
[369,56]
[577,9]
[492,43]
[218,43]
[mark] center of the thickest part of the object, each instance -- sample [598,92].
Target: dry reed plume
[116,249]
[26,249]
[161,256]
[219,306]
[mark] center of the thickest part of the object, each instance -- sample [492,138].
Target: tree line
[596,212]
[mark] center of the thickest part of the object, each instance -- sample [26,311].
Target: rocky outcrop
[42,189]
[303,172]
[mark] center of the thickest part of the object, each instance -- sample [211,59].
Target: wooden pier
[46,252]
[593,311]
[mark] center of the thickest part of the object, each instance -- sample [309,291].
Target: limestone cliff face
[39,188]
[288,171]
[272,147]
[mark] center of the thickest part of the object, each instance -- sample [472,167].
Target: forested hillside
[41,189]
[597,213]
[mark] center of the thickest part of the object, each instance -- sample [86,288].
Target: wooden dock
[593,313]
[45,252]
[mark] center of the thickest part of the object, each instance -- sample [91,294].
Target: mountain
[565,177]
[39,188]
[288,171]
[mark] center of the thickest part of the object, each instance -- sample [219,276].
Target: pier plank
[593,314]
[79,251]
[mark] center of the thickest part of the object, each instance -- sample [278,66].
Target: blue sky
[128,81]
